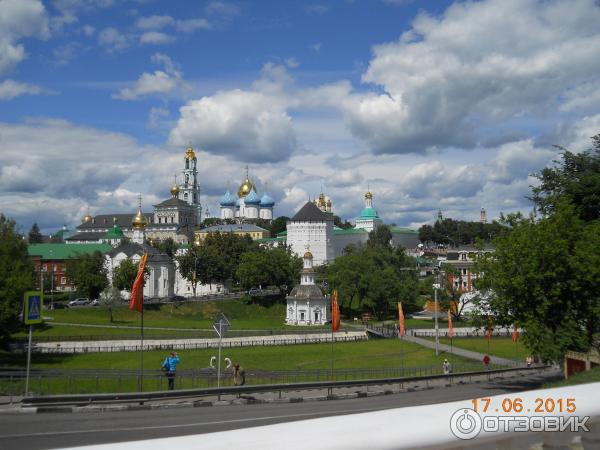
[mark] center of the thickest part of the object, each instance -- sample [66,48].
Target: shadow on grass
[19,360]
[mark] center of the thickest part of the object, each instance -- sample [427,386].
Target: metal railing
[90,398]
[73,381]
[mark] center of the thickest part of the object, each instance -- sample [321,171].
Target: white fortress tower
[313,228]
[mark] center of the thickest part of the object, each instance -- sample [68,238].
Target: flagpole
[142,348]
[332,353]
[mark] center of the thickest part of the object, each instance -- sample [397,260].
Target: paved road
[59,430]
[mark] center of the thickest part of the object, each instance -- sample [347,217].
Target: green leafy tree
[111,298]
[16,277]
[543,276]
[272,266]
[575,179]
[167,246]
[374,278]
[278,225]
[380,237]
[88,273]
[35,236]
[124,275]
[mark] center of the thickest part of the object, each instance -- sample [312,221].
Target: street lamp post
[435,312]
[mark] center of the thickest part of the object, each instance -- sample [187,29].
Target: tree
[16,277]
[111,298]
[543,276]
[35,237]
[276,266]
[376,278]
[380,237]
[124,275]
[167,246]
[88,273]
[278,225]
[575,179]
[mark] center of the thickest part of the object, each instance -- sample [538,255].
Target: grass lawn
[243,315]
[589,376]
[502,347]
[373,354]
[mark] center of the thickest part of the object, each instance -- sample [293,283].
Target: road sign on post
[32,314]
[33,308]
[221,325]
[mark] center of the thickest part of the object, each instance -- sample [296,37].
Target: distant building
[306,304]
[311,228]
[368,220]
[242,229]
[248,204]
[462,260]
[50,262]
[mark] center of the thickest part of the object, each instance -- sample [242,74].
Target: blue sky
[434,104]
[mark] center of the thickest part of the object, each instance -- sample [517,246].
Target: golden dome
[245,188]
[139,221]
[368,195]
[174,190]
[190,154]
[87,218]
[321,199]
[308,255]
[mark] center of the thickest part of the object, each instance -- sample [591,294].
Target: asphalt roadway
[60,430]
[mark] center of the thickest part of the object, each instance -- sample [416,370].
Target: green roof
[267,240]
[114,233]
[368,213]
[350,231]
[282,234]
[65,251]
[399,230]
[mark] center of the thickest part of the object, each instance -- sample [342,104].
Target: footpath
[461,352]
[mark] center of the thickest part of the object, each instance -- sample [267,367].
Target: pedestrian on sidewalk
[447,367]
[529,361]
[169,366]
[239,375]
[486,362]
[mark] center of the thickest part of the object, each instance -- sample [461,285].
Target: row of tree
[545,271]
[459,232]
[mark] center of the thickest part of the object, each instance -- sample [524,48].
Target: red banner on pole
[450,327]
[137,291]
[515,334]
[335,311]
[401,329]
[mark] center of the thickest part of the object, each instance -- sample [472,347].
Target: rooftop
[65,251]
[311,213]
[232,228]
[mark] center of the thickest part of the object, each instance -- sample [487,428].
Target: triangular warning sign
[34,307]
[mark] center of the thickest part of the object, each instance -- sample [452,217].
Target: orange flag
[137,291]
[515,334]
[335,311]
[450,327]
[401,329]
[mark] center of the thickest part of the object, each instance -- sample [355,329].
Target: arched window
[187,163]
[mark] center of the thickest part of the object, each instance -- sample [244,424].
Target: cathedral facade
[248,204]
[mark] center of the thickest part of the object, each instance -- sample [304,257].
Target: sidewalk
[460,352]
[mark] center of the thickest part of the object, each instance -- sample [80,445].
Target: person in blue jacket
[169,365]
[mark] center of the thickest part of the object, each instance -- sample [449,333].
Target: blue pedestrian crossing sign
[33,307]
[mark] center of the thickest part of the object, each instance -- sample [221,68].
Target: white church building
[306,304]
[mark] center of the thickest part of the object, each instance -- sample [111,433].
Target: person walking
[447,367]
[169,365]
[486,362]
[239,375]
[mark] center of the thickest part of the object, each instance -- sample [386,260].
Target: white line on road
[185,425]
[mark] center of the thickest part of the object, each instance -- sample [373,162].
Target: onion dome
[252,198]
[190,154]
[245,188]
[174,190]
[369,195]
[227,200]
[87,218]
[267,201]
[321,200]
[139,221]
